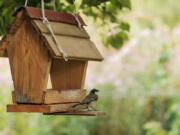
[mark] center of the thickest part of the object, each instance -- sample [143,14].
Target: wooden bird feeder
[33,56]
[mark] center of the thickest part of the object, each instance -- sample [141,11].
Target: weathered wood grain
[68,75]
[76,48]
[30,64]
[84,74]
[64,96]
[28,108]
[61,29]
[43,108]
[65,107]
[13,97]
[80,113]
[60,96]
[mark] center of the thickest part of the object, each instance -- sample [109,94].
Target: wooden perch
[80,113]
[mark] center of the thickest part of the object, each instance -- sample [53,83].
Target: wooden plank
[80,113]
[60,96]
[16,23]
[66,107]
[43,108]
[68,75]
[61,29]
[78,48]
[84,74]
[30,64]
[13,97]
[28,108]
[64,96]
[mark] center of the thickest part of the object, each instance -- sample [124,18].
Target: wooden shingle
[76,48]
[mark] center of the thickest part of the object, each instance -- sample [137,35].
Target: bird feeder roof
[36,13]
[74,41]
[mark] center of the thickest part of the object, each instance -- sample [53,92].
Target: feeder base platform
[54,109]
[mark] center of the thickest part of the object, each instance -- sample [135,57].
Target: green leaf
[1,3]
[116,40]
[77,3]
[124,26]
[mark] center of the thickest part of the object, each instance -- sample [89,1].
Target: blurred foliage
[140,83]
[104,12]
[156,13]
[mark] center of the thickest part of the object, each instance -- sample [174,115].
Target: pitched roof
[36,13]
[75,42]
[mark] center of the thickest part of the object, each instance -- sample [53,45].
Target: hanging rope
[54,5]
[48,25]
[75,15]
[77,20]
[26,2]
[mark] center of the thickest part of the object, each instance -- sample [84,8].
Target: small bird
[90,100]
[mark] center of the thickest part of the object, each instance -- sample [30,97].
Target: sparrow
[90,100]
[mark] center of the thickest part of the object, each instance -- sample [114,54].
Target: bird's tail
[76,105]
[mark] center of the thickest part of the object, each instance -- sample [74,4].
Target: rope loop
[45,20]
[48,25]
[78,21]
[75,15]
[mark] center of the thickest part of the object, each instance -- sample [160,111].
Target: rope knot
[45,20]
[78,21]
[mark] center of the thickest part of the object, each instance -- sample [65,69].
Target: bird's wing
[90,98]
